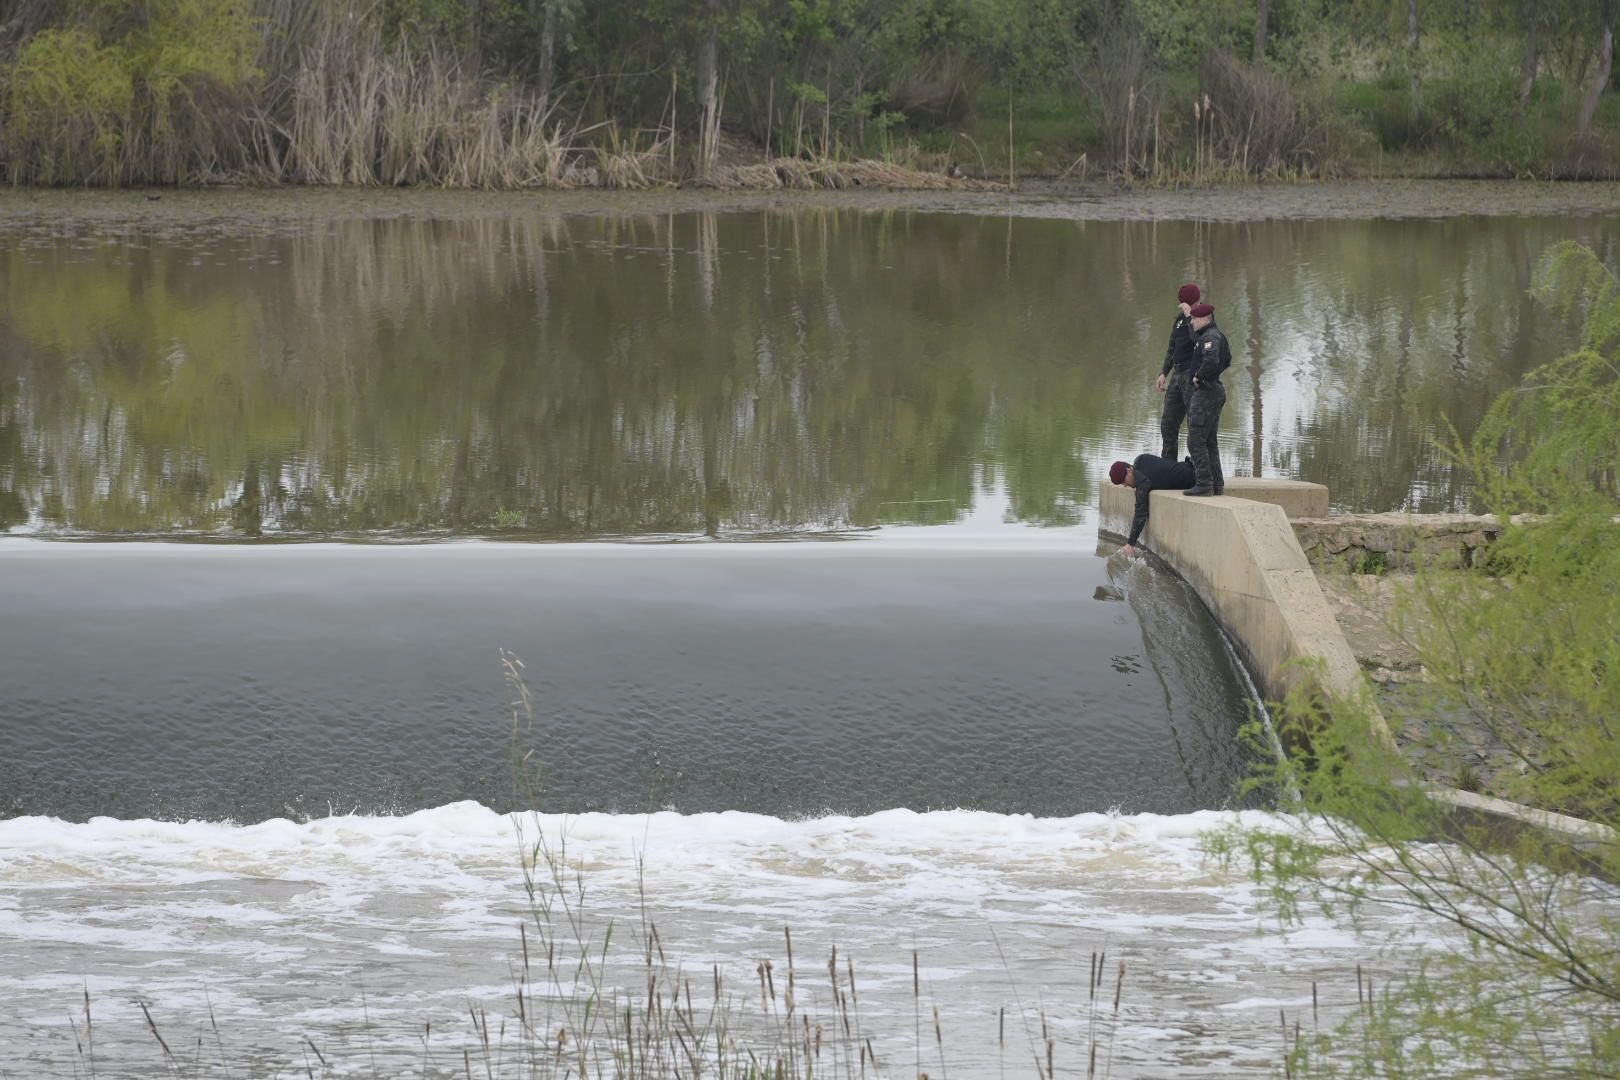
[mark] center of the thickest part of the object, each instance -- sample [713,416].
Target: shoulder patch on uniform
[1208,345]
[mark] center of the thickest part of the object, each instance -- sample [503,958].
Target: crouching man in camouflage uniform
[1147,475]
[1212,356]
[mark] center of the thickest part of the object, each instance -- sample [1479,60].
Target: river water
[789,517]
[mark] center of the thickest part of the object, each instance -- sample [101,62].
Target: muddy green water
[748,374]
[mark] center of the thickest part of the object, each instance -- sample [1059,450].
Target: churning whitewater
[376,938]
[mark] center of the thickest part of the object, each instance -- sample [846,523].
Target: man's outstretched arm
[1143,489]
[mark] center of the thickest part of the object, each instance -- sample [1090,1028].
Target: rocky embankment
[1366,564]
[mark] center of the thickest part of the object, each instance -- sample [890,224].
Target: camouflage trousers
[1178,393]
[1203,417]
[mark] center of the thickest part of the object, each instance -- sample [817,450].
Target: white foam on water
[359,930]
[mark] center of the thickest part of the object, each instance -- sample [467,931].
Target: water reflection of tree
[1376,336]
[693,374]
[14,473]
[428,376]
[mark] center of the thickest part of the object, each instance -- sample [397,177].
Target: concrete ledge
[1298,498]
[1241,557]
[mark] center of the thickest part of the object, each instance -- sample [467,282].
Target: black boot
[1203,476]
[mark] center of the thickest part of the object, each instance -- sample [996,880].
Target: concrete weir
[1239,553]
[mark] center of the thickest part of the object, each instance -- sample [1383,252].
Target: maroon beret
[1202,311]
[1116,472]
[1189,294]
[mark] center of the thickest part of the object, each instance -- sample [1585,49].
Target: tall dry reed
[361,112]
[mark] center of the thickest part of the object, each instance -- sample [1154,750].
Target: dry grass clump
[362,114]
[654,1021]
[1261,125]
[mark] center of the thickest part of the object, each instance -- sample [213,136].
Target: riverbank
[1089,201]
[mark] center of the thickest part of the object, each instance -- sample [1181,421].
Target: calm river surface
[790,516]
[732,375]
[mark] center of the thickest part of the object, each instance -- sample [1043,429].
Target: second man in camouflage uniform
[1175,378]
[1211,356]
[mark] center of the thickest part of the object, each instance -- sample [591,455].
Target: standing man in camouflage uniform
[1212,357]
[1175,378]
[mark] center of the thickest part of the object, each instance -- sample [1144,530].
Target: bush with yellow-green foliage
[126,90]
[70,105]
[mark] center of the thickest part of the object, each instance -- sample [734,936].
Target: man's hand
[1160,384]
[1186,309]
[1128,551]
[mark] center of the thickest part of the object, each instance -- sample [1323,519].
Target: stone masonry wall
[1374,543]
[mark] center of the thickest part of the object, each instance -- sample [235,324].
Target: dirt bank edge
[1345,200]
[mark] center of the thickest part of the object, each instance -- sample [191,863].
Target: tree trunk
[1600,78]
[1527,70]
[1261,19]
[475,19]
[548,53]
[1412,42]
[708,78]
